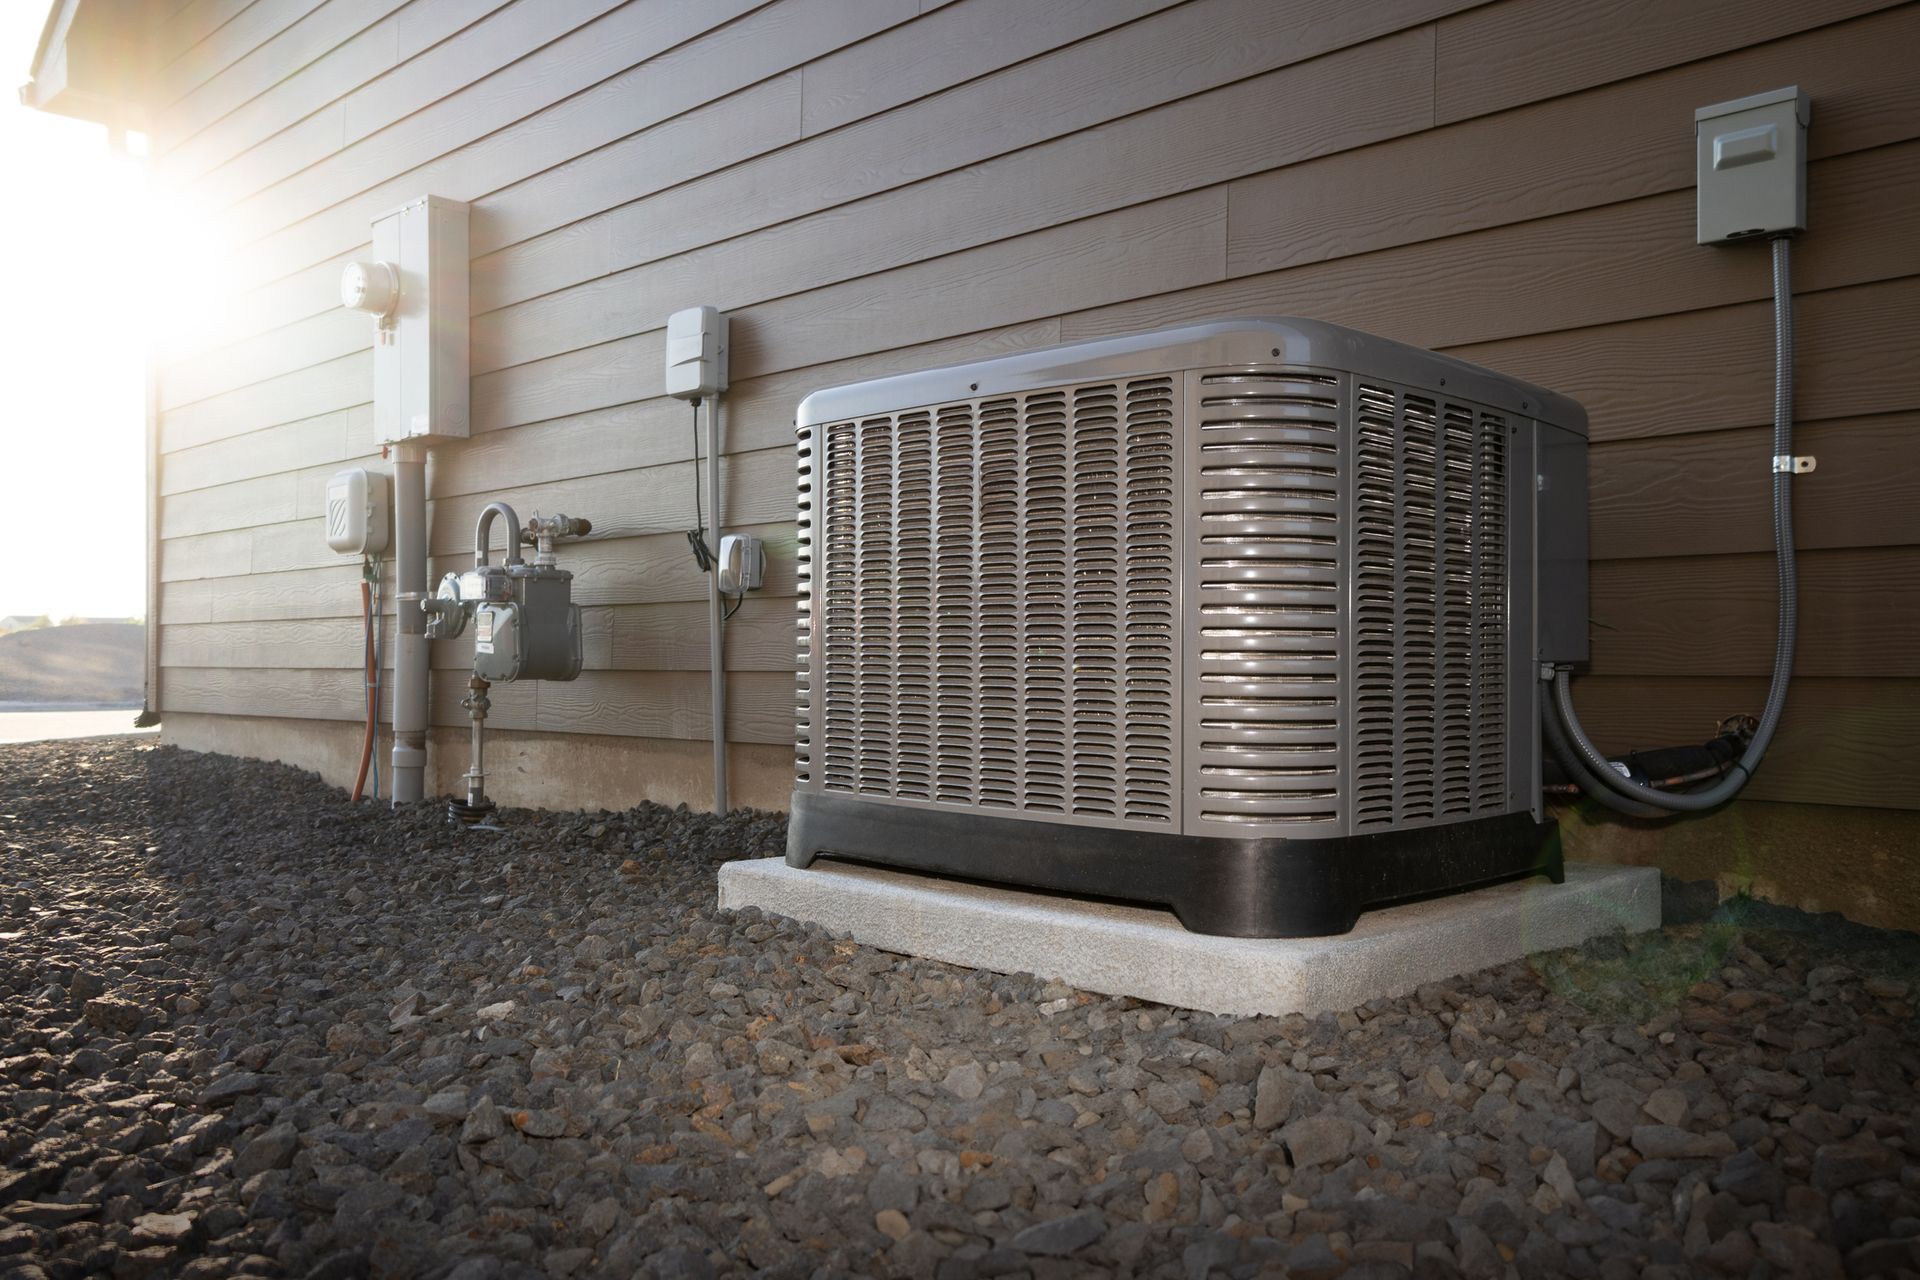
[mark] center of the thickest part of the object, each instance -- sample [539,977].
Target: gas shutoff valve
[525,624]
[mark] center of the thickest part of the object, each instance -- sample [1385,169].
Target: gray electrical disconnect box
[1751,156]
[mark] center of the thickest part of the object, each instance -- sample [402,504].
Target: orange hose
[366,740]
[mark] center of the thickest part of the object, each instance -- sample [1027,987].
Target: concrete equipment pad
[1144,952]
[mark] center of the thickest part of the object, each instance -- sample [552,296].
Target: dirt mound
[86,662]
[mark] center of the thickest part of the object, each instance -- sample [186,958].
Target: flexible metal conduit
[1631,797]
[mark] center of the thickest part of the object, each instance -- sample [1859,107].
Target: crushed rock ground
[248,1028]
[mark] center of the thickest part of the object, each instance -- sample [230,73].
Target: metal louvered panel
[996,602]
[1429,609]
[803,733]
[1266,598]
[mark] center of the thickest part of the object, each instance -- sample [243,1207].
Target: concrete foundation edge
[1145,953]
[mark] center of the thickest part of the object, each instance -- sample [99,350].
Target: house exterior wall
[873,186]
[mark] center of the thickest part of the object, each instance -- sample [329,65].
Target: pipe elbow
[483,529]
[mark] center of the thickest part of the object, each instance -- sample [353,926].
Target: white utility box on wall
[696,353]
[357,519]
[416,290]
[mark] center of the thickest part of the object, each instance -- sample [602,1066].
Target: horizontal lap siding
[869,190]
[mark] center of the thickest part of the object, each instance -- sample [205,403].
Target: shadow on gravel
[250,1029]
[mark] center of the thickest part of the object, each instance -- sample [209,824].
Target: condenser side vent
[1429,608]
[989,604]
[1266,625]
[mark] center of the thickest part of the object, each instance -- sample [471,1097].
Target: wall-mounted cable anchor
[1789,464]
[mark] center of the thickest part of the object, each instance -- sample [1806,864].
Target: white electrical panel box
[416,290]
[696,353]
[1751,156]
[357,519]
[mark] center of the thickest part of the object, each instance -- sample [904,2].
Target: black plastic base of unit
[1234,888]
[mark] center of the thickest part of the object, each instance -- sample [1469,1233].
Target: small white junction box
[696,353]
[357,521]
[416,290]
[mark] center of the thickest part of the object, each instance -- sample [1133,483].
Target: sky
[77,223]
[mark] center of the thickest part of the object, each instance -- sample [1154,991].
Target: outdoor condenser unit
[1243,618]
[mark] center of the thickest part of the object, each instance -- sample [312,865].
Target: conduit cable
[1618,792]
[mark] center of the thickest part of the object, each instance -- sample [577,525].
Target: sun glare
[103,265]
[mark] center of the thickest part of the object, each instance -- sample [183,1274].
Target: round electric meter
[370,286]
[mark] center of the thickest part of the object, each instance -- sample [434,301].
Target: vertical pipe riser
[409,760]
[716,641]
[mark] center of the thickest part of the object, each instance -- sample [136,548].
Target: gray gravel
[249,1029]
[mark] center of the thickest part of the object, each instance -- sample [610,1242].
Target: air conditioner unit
[1242,618]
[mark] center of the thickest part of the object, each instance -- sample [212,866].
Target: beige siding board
[305,103]
[439,67]
[303,695]
[189,25]
[673,637]
[758,118]
[1133,252]
[1198,142]
[290,644]
[654,704]
[1712,494]
[758,488]
[1637,258]
[760,411]
[958,44]
[610,374]
[302,43]
[1172,55]
[296,544]
[1715,615]
[507,68]
[292,446]
[309,393]
[648,569]
[207,555]
[1137,252]
[649,637]
[451,155]
[262,500]
[223,46]
[1711,369]
[679,149]
[184,601]
[308,593]
[755,414]
[320,87]
[1503,54]
[289,299]
[1518,165]
[655,568]
[330,335]
[475,44]
[1841,742]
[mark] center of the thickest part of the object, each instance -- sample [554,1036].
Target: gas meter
[525,623]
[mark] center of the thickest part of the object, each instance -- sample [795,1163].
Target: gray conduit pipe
[716,640]
[410,633]
[1613,786]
